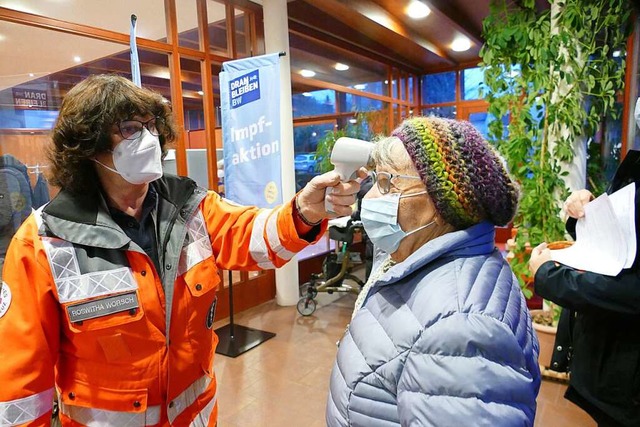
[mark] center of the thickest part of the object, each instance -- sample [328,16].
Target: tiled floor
[284,381]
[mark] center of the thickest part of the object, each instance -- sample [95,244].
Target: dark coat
[598,337]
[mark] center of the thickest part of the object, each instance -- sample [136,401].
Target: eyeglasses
[383,180]
[132,129]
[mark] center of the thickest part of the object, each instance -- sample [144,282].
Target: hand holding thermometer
[348,156]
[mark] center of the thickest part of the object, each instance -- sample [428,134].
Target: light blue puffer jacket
[443,339]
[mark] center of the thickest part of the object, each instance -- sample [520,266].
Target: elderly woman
[441,335]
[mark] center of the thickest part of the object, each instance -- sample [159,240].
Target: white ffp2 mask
[138,161]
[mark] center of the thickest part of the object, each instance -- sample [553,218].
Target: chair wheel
[309,290]
[306,306]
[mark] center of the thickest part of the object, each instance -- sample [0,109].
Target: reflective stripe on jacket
[89,313]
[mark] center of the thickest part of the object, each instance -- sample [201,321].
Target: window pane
[187,17]
[362,73]
[480,122]
[370,124]
[438,88]
[194,126]
[472,82]
[375,87]
[243,33]
[603,169]
[314,103]
[354,103]
[411,85]
[192,94]
[114,15]
[446,112]
[216,15]
[305,140]
[403,90]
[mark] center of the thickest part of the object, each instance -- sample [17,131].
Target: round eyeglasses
[383,180]
[132,129]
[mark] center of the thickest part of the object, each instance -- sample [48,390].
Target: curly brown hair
[83,127]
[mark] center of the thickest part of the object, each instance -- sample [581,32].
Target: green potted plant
[555,76]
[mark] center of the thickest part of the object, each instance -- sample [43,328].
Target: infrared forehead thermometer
[347,157]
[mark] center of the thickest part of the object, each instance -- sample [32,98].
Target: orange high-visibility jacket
[85,315]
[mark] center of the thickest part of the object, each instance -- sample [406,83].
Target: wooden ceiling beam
[388,20]
[380,26]
[443,9]
[320,37]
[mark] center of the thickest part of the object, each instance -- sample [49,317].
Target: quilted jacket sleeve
[468,367]
[29,332]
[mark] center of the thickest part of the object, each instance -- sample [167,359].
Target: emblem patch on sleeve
[212,313]
[5,298]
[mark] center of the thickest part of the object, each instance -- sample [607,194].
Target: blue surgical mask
[380,219]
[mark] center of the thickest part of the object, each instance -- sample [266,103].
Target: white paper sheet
[623,202]
[605,235]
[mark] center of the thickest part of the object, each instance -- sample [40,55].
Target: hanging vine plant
[554,76]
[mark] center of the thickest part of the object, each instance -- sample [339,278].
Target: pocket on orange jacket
[78,393]
[202,277]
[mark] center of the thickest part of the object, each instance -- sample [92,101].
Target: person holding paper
[601,318]
[109,291]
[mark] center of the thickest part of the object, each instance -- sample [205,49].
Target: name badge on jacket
[102,306]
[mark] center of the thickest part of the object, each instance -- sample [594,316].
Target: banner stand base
[236,339]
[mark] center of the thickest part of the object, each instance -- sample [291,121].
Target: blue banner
[250,102]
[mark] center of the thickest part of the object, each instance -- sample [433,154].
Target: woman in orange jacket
[109,291]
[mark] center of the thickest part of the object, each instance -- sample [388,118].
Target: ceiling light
[418,10]
[200,93]
[2,37]
[361,86]
[460,44]
[307,73]
[77,59]
[306,94]
[341,67]
[31,75]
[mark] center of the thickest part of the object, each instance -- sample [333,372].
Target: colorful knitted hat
[464,175]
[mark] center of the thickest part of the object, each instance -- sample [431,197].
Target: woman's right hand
[574,205]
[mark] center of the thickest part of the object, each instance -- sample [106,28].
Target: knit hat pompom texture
[464,175]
